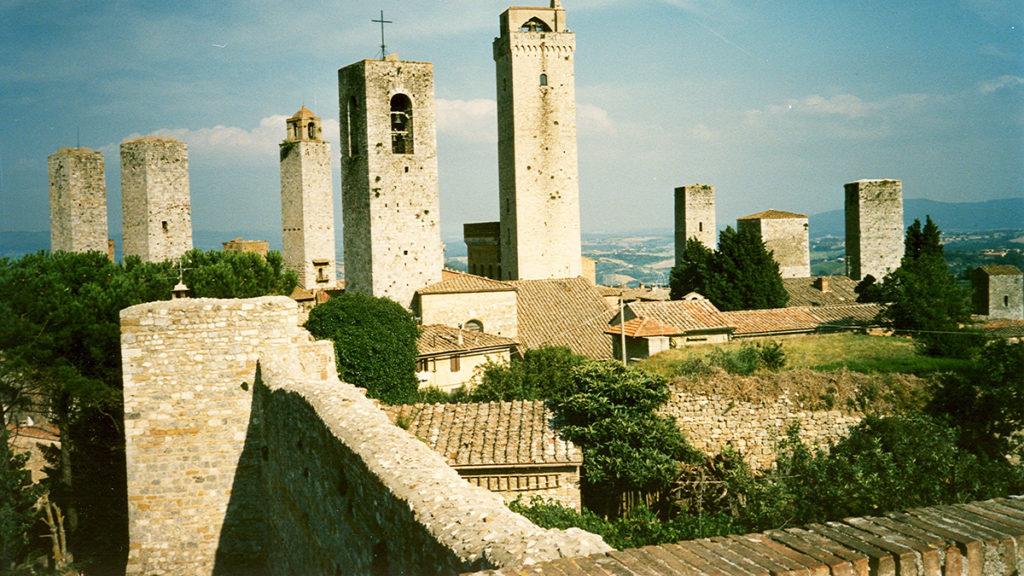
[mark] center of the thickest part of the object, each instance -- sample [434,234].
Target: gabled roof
[563,312]
[1001,270]
[807,291]
[844,315]
[488,433]
[795,319]
[694,314]
[772,214]
[643,328]
[453,282]
[438,339]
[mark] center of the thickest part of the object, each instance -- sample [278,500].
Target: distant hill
[17,244]
[1006,214]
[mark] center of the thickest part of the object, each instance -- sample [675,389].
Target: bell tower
[538,185]
[307,204]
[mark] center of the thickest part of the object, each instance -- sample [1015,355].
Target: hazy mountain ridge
[1004,214]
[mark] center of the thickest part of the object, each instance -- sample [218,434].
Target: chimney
[821,283]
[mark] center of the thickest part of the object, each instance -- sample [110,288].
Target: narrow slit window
[312,131]
[401,124]
[352,127]
[543,79]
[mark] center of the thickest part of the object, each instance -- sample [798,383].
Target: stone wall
[246,455]
[786,237]
[874,227]
[713,422]
[497,310]
[156,208]
[695,217]
[538,184]
[78,201]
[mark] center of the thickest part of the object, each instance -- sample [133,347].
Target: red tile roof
[796,319]
[696,314]
[643,328]
[488,433]
[453,282]
[438,339]
[807,291]
[563,312]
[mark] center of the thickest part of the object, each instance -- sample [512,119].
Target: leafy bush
[745,360]
[542,373]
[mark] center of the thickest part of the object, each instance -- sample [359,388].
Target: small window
[421,365]
[534,25]
[295,131]
[311,130]
[401,124]
[1006,301]
[474,326]
[543,79]
[456,365]
[700,226]
[164,225]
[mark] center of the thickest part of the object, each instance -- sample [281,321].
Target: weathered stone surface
[874,227]
[156,209]
[695,217]
[78,201]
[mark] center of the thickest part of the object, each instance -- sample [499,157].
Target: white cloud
[471,120]
[593,119]
[1006,81]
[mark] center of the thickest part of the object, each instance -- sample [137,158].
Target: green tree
[374,341]
[609,411]
[17,505]
[740,275]
[229,274]
[923,297]
[541,374]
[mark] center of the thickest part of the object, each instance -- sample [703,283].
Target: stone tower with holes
[156,210]
[538,188]
[78,201]
[307,203]
[785,235]
[695,217]
[874,227]
[389,192]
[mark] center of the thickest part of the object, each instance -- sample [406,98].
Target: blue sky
[775,103]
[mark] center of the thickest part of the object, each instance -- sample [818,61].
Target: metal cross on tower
[383,47]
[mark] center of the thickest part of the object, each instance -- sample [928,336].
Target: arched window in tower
[311,130]
[401,124]
[352,126]
[295,131]
[535,25]
[543,79]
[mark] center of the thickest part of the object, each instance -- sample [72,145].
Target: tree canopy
[740,275]
[374,341]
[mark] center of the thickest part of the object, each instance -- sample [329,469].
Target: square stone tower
[390,206]
[307,202]
[538,186]
[78,201]
[998,292]
[785,234]
[874,227]
[695,217]
[156,209]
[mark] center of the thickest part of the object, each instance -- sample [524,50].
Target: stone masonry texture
[78,201]
[156,209]
[307,203]
[695,217]
[785,235]
[874,227]
[389,190]
[247,455]
[538,186]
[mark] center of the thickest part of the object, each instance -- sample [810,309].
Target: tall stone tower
[538,187]
[389,178]
[307,204]
[78,201]
[874,227]
[785,235]
[156,210]
[695,217]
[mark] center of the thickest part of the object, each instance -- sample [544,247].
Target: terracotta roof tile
[644,327]
[807,291]
[799,318]
[1001,270]
[772,214]
[689,315]
[453,282]
[488,433]
[564,312]
[438,339]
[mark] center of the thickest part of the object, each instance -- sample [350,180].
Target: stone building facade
[785,234]
[78,201]
[261,247]
[998,292]
[156,209]
[483,248]
[538,186]
[390,206]
[695,217]
[874,227]
[307,202]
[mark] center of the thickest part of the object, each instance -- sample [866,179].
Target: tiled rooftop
[564,312]
[772,214]
[453,282]
[644,327]
[488,433]
[1001,270]
[438,339]
[689,315]
[799,318]
[807,291]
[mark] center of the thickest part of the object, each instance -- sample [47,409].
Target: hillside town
[248,447]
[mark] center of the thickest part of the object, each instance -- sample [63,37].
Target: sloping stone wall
[247,455]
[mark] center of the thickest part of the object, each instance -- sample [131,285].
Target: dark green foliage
[740,275]
[229,274]
[609,411]
[869,290]
[985,405]
[744,360]
[18,512]
[374,341]
[541,374]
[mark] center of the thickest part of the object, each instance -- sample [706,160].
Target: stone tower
[156,210]
[785,235]
[389,198]
[538,188]
[695,217]
[78,201]
[874,227]
[998,292]
[307,203]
